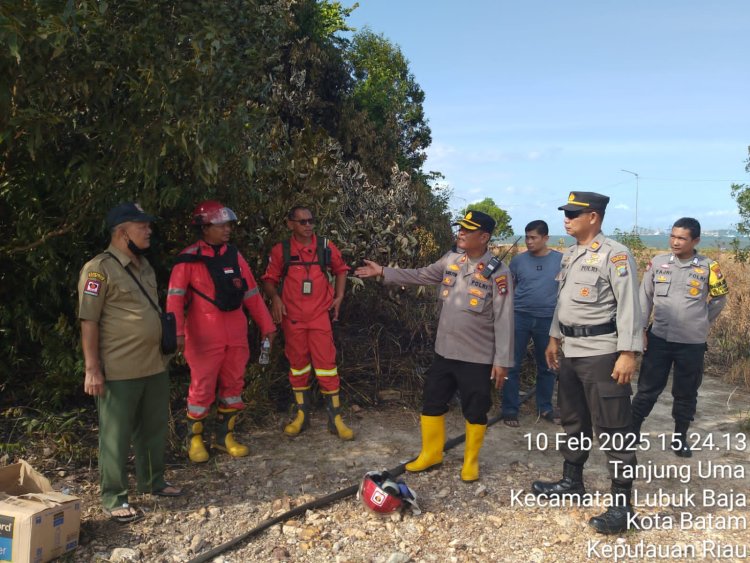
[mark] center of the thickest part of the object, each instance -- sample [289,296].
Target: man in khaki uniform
[125,369]
[686,291]
[598,320]
[474,342]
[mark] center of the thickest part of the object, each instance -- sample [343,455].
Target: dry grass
[729,339]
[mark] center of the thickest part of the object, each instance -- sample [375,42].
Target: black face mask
[135,250]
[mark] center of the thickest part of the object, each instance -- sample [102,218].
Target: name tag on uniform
[306,287]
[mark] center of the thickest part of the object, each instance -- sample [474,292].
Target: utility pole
[635,229]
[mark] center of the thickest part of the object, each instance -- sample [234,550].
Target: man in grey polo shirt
[535,280]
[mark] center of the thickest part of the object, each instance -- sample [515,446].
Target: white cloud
[723,213]
[622,206]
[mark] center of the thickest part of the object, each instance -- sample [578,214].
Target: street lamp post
[635,229]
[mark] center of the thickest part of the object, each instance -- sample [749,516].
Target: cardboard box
[36,523]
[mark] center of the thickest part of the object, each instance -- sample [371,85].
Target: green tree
[503,228]
[741,194]
[243,101]
[390,104]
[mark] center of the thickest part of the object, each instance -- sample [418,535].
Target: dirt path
[479,522]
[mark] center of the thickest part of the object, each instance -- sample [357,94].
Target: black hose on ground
[316,503]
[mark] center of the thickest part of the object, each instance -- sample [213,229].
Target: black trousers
[472,382]
[687,378]
[590,400]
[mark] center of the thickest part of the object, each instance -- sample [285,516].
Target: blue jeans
[536,328]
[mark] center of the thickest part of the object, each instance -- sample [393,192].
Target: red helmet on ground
[382,494]
[212,212]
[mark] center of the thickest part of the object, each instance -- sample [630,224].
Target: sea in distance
[657,242]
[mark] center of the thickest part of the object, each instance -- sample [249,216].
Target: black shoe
[613,521]
[681,448]
[571,483]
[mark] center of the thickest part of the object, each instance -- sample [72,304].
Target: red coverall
[307,325]
[215,341]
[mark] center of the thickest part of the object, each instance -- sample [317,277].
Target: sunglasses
[575,214]
[304,221]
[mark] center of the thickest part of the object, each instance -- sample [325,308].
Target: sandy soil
[483,521]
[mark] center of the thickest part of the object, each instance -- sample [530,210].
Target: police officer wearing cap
[124,367]
[597,322]
[685,291]
[474,343]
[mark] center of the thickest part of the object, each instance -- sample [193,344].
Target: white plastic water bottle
[265,352]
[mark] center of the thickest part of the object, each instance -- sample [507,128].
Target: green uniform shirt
[129,327]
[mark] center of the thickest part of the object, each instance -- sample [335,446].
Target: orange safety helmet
[212,212]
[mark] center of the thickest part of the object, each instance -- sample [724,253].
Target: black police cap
[474,220]
[578,201]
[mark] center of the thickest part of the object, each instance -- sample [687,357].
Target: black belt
[596,330]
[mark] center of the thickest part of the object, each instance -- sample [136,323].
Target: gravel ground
[459,522]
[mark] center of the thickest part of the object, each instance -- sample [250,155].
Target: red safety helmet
[381,494]
[212,212]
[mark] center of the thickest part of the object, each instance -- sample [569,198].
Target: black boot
[636,428]
[616,519]
[680,443]
[570,484]
[335,422]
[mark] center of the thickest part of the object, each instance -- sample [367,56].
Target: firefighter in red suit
[213,281]
[302,308]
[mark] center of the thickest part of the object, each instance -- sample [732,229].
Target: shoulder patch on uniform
[92,287]
[622,270]
[97,276]
[717,283]
[502,284]
[619,258]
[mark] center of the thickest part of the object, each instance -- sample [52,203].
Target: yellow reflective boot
[433,442]
[196,448]
[474,440]
[302,420]
[225,421]
[335,422]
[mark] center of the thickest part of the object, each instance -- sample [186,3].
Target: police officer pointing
[474,344]
[597,323]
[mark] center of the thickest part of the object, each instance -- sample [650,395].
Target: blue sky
[530,99]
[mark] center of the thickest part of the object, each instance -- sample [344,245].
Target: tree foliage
[254,102]
[741,194]
[503,228]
